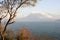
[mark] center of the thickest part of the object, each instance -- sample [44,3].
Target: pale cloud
[42,13]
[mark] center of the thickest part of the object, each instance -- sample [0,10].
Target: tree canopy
[8,8]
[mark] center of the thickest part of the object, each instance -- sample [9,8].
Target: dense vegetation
[25,34]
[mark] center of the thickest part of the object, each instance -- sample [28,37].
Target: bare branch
[6,26]
[12,14]
[4,16]
[18,8]
[11,22]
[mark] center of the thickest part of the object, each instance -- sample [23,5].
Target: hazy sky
[47,9]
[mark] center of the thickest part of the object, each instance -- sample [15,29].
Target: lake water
[53,28]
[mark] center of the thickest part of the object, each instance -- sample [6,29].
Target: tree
[11,7]
[2,16]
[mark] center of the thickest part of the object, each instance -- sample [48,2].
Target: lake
[52,28]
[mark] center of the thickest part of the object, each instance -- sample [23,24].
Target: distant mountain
[35,17]
[58,20]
